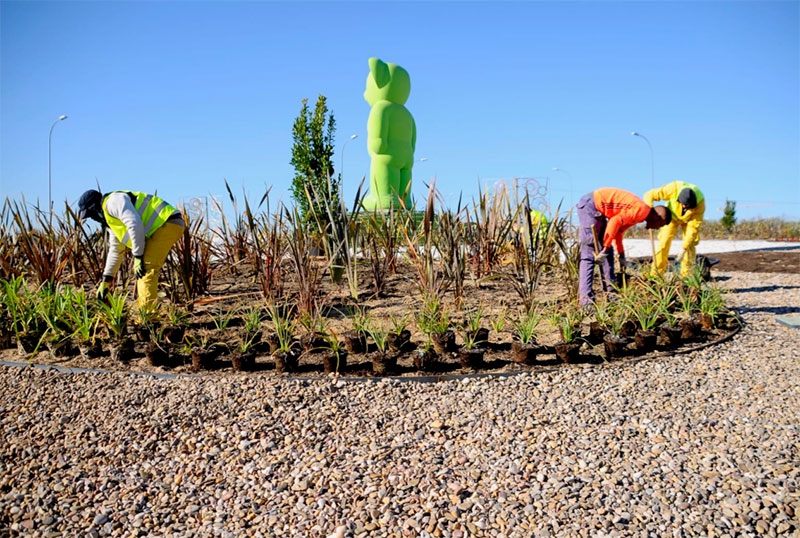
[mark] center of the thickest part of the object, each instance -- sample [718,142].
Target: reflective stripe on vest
[153,211]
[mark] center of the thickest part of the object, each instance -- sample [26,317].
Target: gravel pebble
[697,444]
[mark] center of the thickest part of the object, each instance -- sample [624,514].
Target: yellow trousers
[665,236]
[156,249]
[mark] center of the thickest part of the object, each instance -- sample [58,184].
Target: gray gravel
[702,444]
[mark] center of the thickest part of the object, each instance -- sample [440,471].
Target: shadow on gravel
[769,309]
[761,289]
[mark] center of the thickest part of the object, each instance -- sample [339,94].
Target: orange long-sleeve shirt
[623,209]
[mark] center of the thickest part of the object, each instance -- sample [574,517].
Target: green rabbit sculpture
[391,136]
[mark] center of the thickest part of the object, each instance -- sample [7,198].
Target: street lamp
[341,167]
[49,169]
[652,162]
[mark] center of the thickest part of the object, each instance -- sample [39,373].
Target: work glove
[138,267]
[622,261]
[679,259]
[600,257]
[102,291]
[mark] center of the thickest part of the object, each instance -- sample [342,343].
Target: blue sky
[179,96]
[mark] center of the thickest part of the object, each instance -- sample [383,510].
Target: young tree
[314,183]
[728,220]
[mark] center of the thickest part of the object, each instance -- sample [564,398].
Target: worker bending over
[603,216]
[687,205]
[144,223]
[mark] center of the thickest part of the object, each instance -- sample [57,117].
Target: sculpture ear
[380,72]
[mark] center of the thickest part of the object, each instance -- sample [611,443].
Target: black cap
[688,199]
[89,205]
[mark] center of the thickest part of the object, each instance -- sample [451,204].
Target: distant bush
[766,229]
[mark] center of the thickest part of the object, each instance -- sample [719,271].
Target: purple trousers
[588,217]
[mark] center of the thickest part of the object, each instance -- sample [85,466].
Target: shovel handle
[594,236]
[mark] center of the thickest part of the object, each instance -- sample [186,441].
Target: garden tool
[599,257]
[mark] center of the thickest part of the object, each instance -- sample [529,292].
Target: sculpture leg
[379,196]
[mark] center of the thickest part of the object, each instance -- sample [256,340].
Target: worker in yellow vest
[539,221]
[142,222]
[687,205]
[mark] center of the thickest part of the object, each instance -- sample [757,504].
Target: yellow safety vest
[153,211]
[673,203]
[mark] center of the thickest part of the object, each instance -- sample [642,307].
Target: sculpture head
[387,82]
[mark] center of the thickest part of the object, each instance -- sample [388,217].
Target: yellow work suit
[147,225]
[688,221]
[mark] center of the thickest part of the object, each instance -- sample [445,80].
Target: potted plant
[355,340]
[611,316]
[243,357]
[114,316]
[498,322]
[425,357]
[23,309]
[471,354]
[313,337]
[146,321]
[688,300]
[434,321]
[473,323]
[383,361]
[399,336]
[710,304]
[644,308]
[175,326]
[524,346]
[54,309]
[286,357]
[203,353]
[669,330]
[568,323]
[83,320]
[334,356]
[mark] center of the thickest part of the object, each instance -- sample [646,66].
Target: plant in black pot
[399,336]
[568,322]
[433,319]
[83,320]
[114,316]
[286,357]
[384,362]
[334,356]
[611,316]
[525,347]
[355,340]
[471,353]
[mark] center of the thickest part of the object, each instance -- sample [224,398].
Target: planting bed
[402,298]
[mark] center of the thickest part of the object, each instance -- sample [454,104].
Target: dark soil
[784,260]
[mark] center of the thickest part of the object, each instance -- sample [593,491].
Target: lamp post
[50,169]
[652,161]
[557,169]
[652,186]
[341,167]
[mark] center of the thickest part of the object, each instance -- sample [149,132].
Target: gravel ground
[701,444]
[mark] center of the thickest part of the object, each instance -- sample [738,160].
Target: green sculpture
[391,136]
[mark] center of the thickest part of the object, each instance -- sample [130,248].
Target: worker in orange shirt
[604,215]
[687,205]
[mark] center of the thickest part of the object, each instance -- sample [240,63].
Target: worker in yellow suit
[540,222]
[142,222]
[687,205]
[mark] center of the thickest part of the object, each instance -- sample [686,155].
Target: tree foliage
[314,182]
[728,219]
